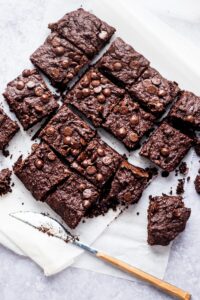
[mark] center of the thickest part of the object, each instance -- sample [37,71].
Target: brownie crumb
[188,178]
[171,192]
[153,172]
[137,213]
[5,152]
[197,184]
[164,174]
[180,186]
[176,172]
[5,179]
[183,169]
[22,203]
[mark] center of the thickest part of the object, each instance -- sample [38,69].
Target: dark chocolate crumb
[164,174]
[22,203]
[5,152]
[197,184]
[183,169]
[180,186]
[188,178]
[137,213]
[152,172]
[5,180]
[176,172]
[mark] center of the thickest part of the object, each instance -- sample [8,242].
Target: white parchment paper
[126,236]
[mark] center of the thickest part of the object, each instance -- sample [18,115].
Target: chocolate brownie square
[153,91]
[187,109]
[166,147]
[84,30]
[67,133]
[98,162]
[41,171]
[5,179]
[8,128]
[95,96]
[128,122]
[122,63]
[167,217]
[72,199]
[128,183]
[29,98]
[59,60]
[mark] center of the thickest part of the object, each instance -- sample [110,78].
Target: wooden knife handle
[158,283]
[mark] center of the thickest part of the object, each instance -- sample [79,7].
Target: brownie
[98,162]
[67,133]
[166,147]
[197,184]
[8,128]
[153,91]
[72,199]
[59,60]
[128,184]
[84,30]
[41,171]
[187,109]
[128,122]
[167,217]
[5,179]
[95,96]
[29,98]
[122,63]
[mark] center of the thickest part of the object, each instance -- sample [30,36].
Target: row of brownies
[72,169]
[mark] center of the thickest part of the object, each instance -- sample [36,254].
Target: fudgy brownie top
[29,98]
[197,183]
[85,30]
[166,147]
[72,199]
[154,91]
[5,179]
[129,183]
[95,96]
[129,122]
[8,128]
[167,217]
[67,133]
[59,59]
[187,109]
[98,162]
[122,63]
[41,171]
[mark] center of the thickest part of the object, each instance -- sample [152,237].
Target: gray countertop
[20,278]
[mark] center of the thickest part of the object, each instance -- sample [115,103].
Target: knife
[52,227]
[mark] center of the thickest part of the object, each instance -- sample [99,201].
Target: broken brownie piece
[122,63]
[153,91]
[8,128]
[41,171]
[197,184]
[128,122]
[84,30]
[59,60]
[95,96]
[187,109]
[128,183]
[166,147]
[167,217]
[98,162]
[29,98]
[72,199]
[67,133]
[5,179]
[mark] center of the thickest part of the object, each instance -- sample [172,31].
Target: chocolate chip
[85,163]
[107,160]
[75,152]
[39,164]
[77,58]
[55,72]
[87,203]
[50,130]
[82,187]
[127,196]
[101,98]
[75,144]
[95,83]
[51,156]
[98,89]
[38,91]
[85,82]
[156,80]
[39,108]
[34,146]
[45,98]
[79,94]
[133,137]
[117,66]
[104,80]
[122,132]
[65,63]
[103,35]
[94,75]
[106,92]
[30,84]
[59,50]
[100,151]
[99,177]
[152,89]
[70,75]
[26,73]
[91,170]
[164,151]
[162,93]
[134,120]
[158,105]
[20,85]
[83,142]
[55,42]
[67,140]
[86,92]
[189,118]
[67,131]
[133,64]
